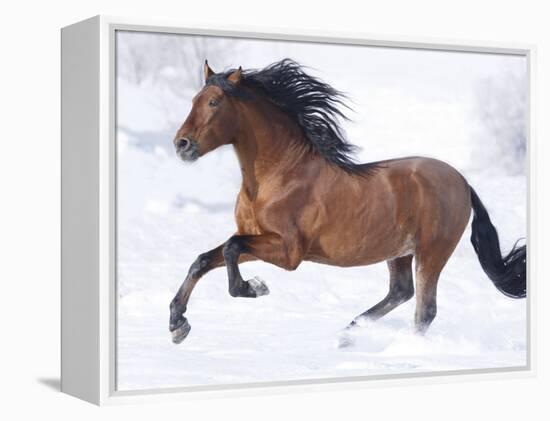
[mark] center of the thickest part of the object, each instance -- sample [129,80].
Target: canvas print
[299,211]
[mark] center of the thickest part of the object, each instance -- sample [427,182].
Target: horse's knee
[200,265]
[232,249]
[203,261]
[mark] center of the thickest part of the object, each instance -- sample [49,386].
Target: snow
[169,212]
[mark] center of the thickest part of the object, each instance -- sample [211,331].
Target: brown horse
[304,198]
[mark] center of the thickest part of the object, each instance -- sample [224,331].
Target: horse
[304,197]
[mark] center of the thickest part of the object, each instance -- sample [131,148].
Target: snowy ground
[170,212]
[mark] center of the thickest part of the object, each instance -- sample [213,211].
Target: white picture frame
[88,342]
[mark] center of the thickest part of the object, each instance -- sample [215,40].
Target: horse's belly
[360,247]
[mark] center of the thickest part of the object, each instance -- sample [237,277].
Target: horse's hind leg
[426,300]
[401,289]
[430,261]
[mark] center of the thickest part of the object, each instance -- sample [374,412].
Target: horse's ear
[235,77]
[207,71]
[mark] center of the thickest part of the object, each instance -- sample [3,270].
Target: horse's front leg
[270,248]
[179,326]
[238,249]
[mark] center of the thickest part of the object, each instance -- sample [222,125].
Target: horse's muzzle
[187,149]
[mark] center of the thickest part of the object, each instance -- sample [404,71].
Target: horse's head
[212,121]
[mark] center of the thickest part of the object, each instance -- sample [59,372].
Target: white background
[29,228]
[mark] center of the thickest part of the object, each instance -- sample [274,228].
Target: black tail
[508,273]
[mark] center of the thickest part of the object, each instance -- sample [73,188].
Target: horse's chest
[245,215]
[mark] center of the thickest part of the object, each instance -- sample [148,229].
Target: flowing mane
[313,104]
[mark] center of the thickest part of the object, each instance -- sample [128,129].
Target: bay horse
[304,197]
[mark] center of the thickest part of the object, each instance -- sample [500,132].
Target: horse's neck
[268,142]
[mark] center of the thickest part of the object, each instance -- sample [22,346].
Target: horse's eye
[213,103]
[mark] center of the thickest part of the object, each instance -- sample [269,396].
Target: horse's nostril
[183,144]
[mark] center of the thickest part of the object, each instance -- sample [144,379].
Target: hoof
[180,333]
[359,321]
[257,287]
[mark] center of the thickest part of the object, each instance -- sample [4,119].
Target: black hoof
[181,332]
[250,289]
[257,287]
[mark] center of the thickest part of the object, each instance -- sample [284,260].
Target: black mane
[311,103]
